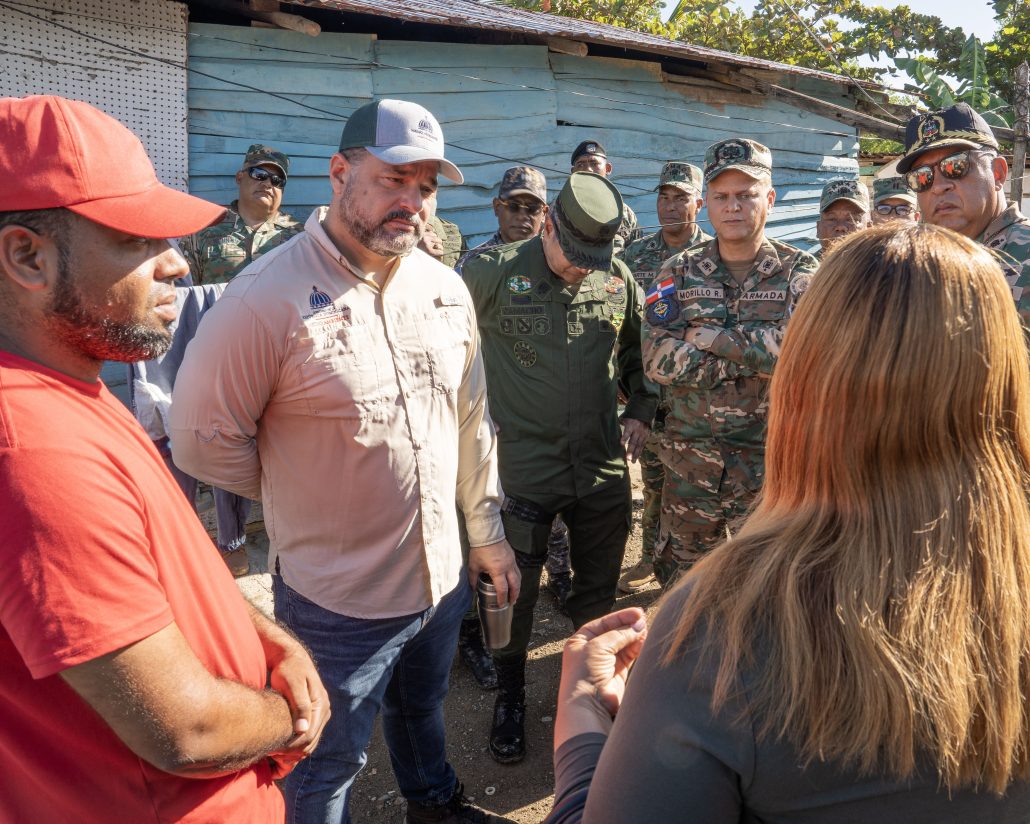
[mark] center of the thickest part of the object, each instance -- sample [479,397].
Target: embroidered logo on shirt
[662,311]
[525,354]
[614,285]
[519,284]
[318,299]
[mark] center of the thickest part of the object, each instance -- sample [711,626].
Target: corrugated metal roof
[466,14]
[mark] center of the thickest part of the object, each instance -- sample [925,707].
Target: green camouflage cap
[588,213]
[523,180]
[853,191]
[682,175]
[260,155]
[747,156]
[960,126]
[888,188]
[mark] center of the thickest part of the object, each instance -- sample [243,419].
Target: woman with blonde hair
[860,649]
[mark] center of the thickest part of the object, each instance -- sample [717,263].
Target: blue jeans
[401,664]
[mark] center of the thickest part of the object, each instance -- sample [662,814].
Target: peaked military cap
[682,175]
[958,126]
[589,147]
[523,180]
[259,155]
[588,213]
[747,156]
[853,191]
[895,187]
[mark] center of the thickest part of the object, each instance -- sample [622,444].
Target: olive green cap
[685,176]
[747,156]
[261,155]
[588,213]
[888,188]
[853,191]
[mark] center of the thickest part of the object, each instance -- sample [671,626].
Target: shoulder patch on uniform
[799,285]
[660,290]
[662,312]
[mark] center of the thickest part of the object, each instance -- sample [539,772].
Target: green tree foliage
[1011,43]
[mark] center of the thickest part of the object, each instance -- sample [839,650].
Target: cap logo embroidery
[930,128]
[731,151]
[426,127]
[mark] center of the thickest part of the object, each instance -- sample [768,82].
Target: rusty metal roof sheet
[470,14]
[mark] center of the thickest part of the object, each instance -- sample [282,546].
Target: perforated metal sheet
[100,51]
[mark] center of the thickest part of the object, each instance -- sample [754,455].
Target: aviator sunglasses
[257,173]
[531,209]
[953,167]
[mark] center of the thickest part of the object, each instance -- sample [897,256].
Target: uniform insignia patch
[706,266]
[543,288]
[319,299]
[617,320]
[525,354]
[507,326]
[730,151]
[768,265]
[800,284]
[768,294]
[662,311]
[542,326]
[699,292]
[660,290]
[519,284]
[614,285]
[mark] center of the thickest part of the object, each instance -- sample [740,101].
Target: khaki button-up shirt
[358,415]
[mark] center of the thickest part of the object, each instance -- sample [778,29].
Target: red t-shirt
[99,549]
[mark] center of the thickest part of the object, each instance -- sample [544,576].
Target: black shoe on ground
[559,586]
[508,732]
[475,655]
[459,810]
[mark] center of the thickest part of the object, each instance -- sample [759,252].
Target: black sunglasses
[953,167]
[901,210]
[531,209]
[257,173]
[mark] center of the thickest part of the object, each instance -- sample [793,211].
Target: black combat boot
[458,810]
[475,655]
[508,733]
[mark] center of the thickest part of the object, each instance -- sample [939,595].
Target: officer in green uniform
[679,201]
[590,156]
[893,199]
[952,162]
[713,323]
[843,210]
[252,224]
[560,327]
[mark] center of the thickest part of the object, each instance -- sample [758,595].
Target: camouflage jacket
[1008,235]
[220,252]
[713,344]
[552,365]
[628,231]
[645,256]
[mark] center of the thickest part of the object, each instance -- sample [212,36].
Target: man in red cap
[134,673]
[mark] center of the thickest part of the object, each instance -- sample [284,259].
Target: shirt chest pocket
[436,348]
[338,369]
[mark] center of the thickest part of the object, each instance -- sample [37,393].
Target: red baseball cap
[64,153]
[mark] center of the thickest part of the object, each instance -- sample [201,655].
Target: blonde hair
[885,570]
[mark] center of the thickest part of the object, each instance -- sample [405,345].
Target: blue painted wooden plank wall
[499,105]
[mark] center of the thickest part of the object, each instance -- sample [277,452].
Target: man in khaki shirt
[340,378]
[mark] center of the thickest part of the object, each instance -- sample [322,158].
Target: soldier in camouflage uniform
[560,327]
[252,223]
[679,201]
[951,161]
[713,323]
[893,199]
[843,210]
[590,156]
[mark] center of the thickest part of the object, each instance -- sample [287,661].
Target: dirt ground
[522,792]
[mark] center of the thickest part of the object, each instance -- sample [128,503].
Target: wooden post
[1022,128]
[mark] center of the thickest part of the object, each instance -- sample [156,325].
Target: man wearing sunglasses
[951,161]
[893,199]
[252,224]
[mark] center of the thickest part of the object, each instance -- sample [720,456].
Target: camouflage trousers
[652,473]
[558,562]
[707,491]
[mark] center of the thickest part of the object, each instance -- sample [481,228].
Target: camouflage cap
[682,175]
[589,147]
[958,126]
[894,187]
[853,191]
[523,180]
[747,156]
[261,155]
[588,213]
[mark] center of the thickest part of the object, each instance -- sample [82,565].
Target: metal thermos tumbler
[496,620]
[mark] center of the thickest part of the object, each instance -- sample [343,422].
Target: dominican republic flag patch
[660,290]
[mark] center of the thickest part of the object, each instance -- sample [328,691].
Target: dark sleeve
[478,272]
[641,394]
[668,758]
[574,765]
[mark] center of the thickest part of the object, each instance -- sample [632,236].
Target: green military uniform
[1008,235]
[454,245]
[716,383]
[555,354]
[220,252]
[644,258]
